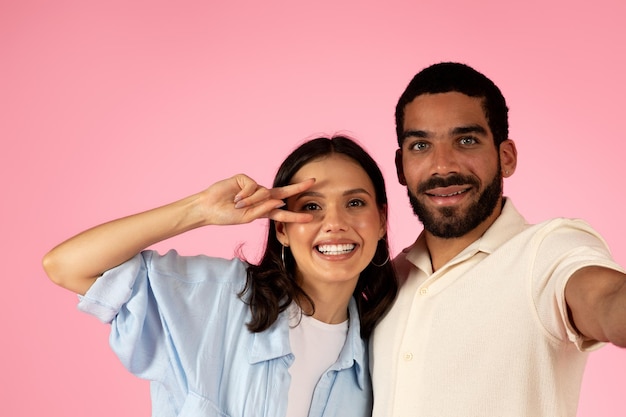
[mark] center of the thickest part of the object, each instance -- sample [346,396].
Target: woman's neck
[330,306]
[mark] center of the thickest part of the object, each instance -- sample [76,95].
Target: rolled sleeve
[112,290]
[123,298]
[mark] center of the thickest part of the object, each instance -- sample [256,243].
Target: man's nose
[444,160]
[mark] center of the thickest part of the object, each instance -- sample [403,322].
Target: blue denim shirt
[178,322]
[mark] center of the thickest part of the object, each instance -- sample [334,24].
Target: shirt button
[423,291]
[408,356]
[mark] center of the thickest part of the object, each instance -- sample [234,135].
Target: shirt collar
[272,343]
[508,224]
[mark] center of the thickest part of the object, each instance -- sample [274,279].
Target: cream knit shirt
[487,334]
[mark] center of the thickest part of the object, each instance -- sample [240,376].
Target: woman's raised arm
[77,262]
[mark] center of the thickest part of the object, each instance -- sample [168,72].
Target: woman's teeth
[336,249]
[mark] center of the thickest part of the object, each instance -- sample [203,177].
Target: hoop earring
[282,255]
[381,265]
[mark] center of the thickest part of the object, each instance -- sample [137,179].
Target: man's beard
[450,223]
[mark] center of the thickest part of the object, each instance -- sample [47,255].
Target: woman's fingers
[247,188]
[251,193]
[256,201]
[285,216]
[290,190]
[272,209]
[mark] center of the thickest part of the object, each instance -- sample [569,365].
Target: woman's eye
[356,203]
[310,207]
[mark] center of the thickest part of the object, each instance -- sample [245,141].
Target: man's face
[449,163]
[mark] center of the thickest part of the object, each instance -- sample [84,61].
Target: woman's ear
[508,158]
[383,222]
[281,234]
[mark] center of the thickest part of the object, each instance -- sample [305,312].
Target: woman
[216,337]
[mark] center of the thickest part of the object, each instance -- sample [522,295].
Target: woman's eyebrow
[320,195]
[356,191]
[309,194]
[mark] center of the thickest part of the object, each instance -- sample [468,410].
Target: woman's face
[333,249]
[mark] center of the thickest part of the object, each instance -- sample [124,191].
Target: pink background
[108,108]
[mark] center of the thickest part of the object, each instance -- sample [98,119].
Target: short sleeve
[565,246]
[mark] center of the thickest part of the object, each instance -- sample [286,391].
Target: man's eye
[467,140]
[419,146]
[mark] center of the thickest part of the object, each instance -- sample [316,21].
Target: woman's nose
[335,220]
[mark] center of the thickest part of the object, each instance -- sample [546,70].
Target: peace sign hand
[240,199]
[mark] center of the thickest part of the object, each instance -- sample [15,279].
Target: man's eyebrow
[414,134]
[469,129]
[460,130]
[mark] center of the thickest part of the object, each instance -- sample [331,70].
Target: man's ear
[399,168]
[508,158]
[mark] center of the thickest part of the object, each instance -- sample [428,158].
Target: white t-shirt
[316,346]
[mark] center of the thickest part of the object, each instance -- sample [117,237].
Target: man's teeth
[336,249]
[449,195]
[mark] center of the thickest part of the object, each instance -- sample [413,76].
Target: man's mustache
[447,181]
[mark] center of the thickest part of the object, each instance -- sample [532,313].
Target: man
[495,316]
